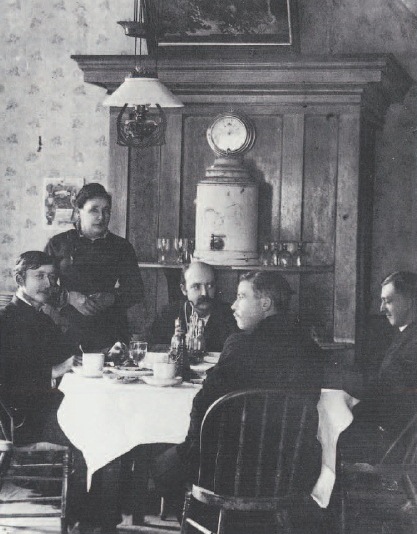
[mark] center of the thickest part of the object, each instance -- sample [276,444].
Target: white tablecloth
[335,415]
[105,419]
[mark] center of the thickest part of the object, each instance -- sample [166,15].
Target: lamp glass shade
[142,91]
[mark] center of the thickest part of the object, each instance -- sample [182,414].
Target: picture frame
[58,201]
[236,23]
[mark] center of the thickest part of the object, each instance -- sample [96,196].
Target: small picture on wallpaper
[216,22]
[59,196]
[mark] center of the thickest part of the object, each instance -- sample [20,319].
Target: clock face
[230,134]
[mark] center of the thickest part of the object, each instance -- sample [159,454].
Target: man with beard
[198,286]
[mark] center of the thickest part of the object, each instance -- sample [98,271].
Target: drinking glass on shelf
[299,256]
[189,244]
[178,250]
[159,248]
[185,251]
[137,351]
[266,255]
[165,249]
[275,250]
[284,256]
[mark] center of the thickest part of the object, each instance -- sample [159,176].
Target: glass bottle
[176,338]
[299,256]
[201,342]
[284,256]
[183,364]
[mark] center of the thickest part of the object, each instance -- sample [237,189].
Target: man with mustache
[268,352]
[33,353]
[198,286]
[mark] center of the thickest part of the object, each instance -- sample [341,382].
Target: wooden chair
[40,463]
[255,456]
[383,496]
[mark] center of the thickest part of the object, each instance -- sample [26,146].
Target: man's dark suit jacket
[390,398]
[275,355]
[30,345]
[220,325]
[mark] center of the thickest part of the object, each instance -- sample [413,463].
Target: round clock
[231,134]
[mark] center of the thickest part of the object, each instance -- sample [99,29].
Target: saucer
[212,357]
[162,382]
[130,372]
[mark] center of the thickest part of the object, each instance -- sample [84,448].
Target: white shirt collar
[21,296]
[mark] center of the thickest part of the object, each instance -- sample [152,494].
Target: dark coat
[30,345]
[273,356]
[390,399]
[108,264]
[219,327]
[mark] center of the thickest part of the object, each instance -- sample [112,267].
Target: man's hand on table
[117,350]
[61,368]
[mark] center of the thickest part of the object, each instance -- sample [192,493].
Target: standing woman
[99,273]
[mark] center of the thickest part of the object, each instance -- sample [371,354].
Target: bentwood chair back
[384,495]
[256,455]
[32,465]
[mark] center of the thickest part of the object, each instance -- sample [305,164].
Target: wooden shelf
[307,269]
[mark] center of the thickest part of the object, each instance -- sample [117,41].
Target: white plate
[212,357]
[162,382]
[130,372]
[114,379]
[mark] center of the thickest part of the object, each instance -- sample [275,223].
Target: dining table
[105,418]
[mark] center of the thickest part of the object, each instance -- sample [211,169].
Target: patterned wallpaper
[43,96]
[53,124]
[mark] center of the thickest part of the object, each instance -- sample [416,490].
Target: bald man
[198,286]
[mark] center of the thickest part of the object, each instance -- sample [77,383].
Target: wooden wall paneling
[170,178]
[365,223]
[316,302]
[197,156]
[227,282]
[118,179]
[320,184]
[292,190]
[141,316]
[264,162]
[142,221]
[292,177]
[345,265]
[143,202]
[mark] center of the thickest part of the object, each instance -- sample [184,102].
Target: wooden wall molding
[342,79]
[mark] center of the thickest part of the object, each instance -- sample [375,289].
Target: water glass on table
[137,351]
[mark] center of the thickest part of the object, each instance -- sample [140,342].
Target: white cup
[154,357]
[164,370]
[93,363]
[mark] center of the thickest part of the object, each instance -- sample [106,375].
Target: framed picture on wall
[220,23]
[58,205]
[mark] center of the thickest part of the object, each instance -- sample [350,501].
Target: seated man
[32,352]
[33,355]
[268,353]
[388,398]
[199,289]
